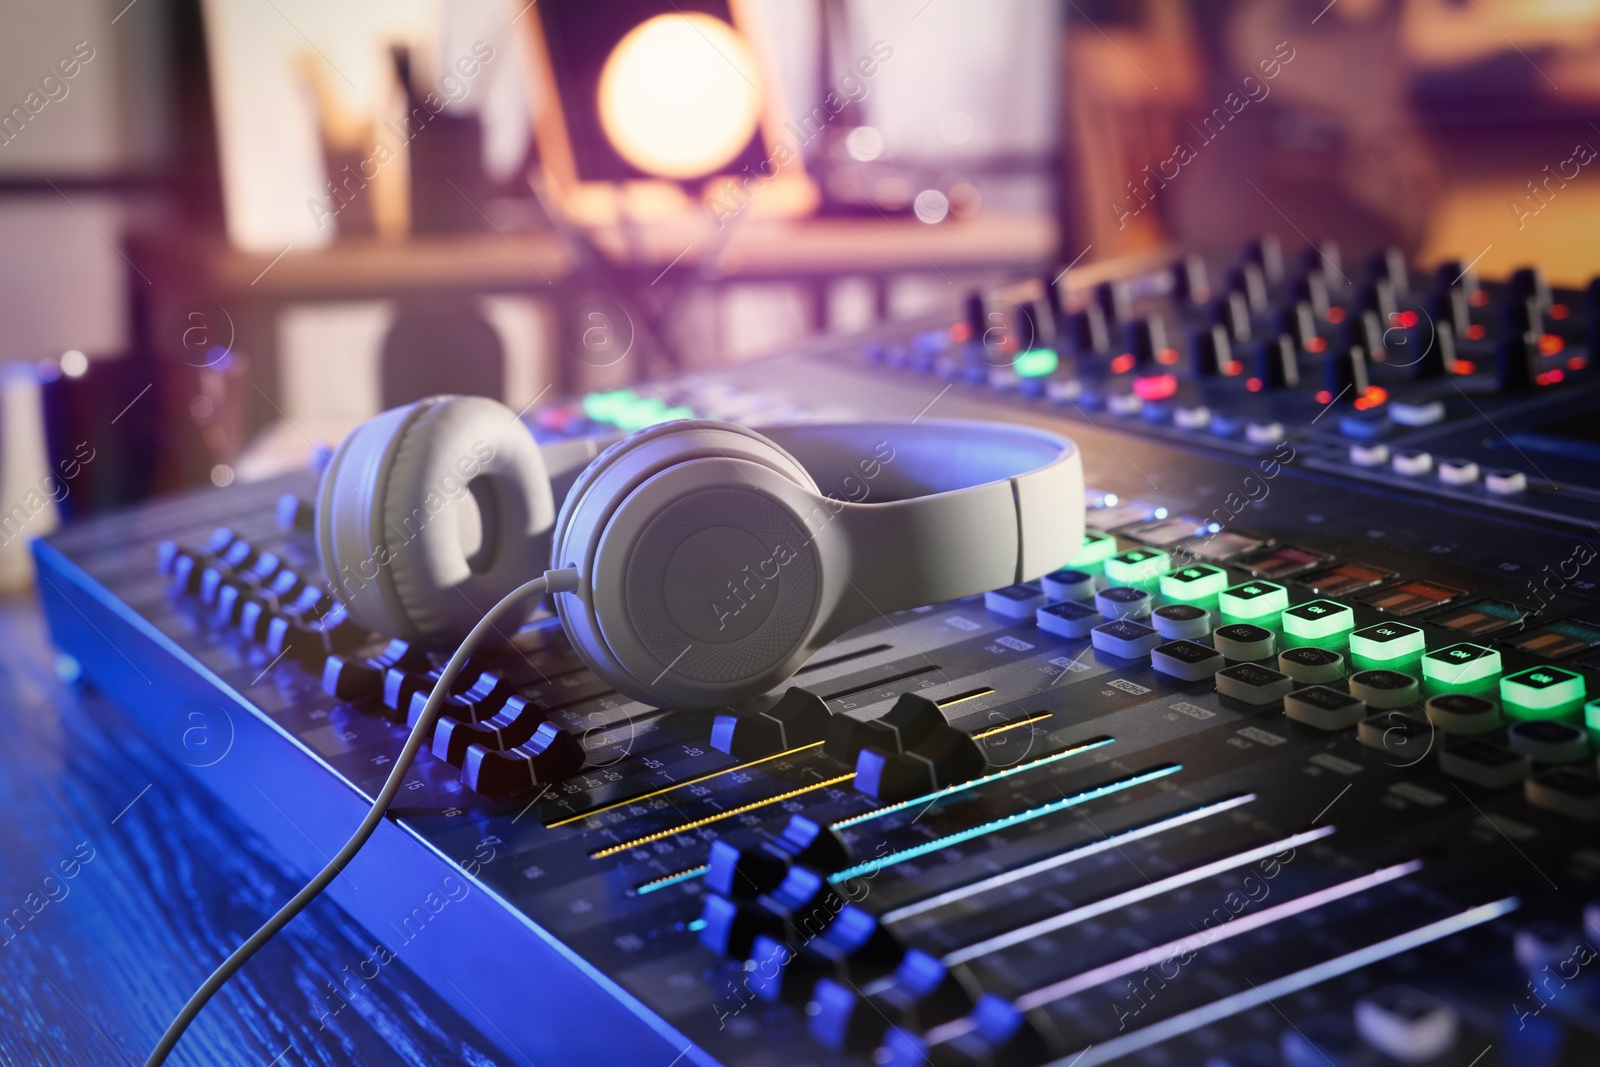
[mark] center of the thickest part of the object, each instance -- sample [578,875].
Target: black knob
[1144,337]
[1296,321]
[1115,299]
[1378,295]
[1324,257]
[1274,364]
[1232,312]
[1086,332]
[1591,299]
[1370,333]
[1312,287]
[1345,372]
[1453,274]
[1027,327]
[1530,282]
[1189,282]
[1248,279]
[1390,266]
[1439,351]
[1521,324]
[1209,351]
[1449,304]
[975,310]
[1266,252]
[1051,296]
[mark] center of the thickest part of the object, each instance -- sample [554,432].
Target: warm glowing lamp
[678,95]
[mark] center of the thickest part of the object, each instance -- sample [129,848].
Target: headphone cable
[556,581]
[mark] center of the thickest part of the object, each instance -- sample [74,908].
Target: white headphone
[713,560]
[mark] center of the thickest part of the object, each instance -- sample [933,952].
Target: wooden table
[163,884]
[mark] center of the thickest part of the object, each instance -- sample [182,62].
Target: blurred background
[232,229]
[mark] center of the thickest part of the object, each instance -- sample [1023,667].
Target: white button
[1458,471]
[1063,390]
[1123,403]
[1195,418]
[1411,461]
[1369,455]
[1002,379]
[1263,433]
[1406,1023]
[1425,413]
[1505,482]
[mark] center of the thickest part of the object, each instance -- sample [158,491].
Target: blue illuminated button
[1324,708]
[1253,600]
[1387,641]
[1310,665]
[1541,693]
[1181,621]
[1253,684]
[1096,548]
[1137,565]
[1125,638]
[1461,666]
[1318,620]
[1385,688]
[1067,619]
[1068,585]
[1243,641]
[1187,661]
[1545,741]
[1194,583]
[1016,601]
[1122,602]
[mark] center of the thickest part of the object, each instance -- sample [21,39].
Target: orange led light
[1169,356]
[1577,362]
[1317,344]
[1371,398]
[1123,363]
[1464,366]
[1550,344]
[1232,367]
[1475,332]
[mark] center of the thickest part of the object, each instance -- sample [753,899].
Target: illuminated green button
[1194,583]
[1386,641]
[1096,548]
[1137,565]
[1541,693]
[1316,620]
[1461,665]
[1253,600]
[1036,363]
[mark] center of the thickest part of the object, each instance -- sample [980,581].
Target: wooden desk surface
[123,884]
[754,250]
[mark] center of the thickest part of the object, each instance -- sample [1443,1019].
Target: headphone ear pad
[429,514]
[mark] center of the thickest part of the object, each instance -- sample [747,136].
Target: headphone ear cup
[658,525]
[429,514]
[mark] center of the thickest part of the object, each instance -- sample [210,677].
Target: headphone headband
[943,508]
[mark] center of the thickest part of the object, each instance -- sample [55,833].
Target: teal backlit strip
[952,790]
[1009,821]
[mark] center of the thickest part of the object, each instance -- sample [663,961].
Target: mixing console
[1293,764]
